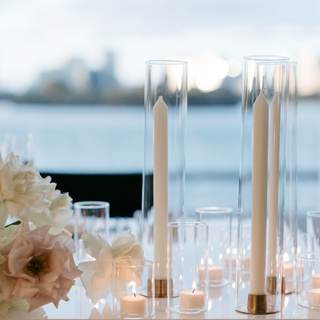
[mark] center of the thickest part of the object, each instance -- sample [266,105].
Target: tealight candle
[133,304]
[214,273]
[314,297]
[316,280]
[288,270]
[192,299]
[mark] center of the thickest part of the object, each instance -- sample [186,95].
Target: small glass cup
[133,289]
[219,253]
[187,276]
[308,280]
[21,145]
[313,227]
[90,216]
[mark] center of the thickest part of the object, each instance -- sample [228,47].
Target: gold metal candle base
[272,285]
[287,289]
[257,304]
[160,288]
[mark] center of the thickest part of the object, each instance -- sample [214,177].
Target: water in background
[98,139]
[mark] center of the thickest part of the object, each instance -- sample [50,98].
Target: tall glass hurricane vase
[164,159]
[291,213]
[261,187]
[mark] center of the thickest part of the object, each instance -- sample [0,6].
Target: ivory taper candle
[259,196]
[160,187]
[273,185]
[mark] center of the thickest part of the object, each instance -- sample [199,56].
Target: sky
[39,35]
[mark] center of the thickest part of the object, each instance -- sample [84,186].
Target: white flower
[96,277]
[7,235]
[20,190]
[13,304]
[56,213]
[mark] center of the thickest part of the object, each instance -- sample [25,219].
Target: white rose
[20,190]
[56,213]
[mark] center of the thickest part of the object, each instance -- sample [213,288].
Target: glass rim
[267,58]
[313,214]
[91,204]
[187,224]
[147,263]
[213,210]
[166,62]
[304,256]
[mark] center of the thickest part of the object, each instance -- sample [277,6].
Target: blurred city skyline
[213,36]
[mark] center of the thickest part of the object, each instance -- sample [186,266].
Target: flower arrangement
[36,261]
[97,274]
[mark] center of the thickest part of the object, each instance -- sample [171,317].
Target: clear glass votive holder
[90,216]
[187,275]
[289,264]
[308,280]
[133,289]
[219,253]
[313,228]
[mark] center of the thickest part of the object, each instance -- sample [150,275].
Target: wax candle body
[215,273]
[273,185]
[160,187]
[133,304]
[259,195]
[192,299]
[314,297]
[316,280]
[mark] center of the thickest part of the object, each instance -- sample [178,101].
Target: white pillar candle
[314,297]
[273,185]
[288,270]
[160,187]
[215,273]
[133,304]
[259,196]
[316,280]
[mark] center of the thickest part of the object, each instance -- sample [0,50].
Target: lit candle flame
[194,285]
[133,285]
[210,261]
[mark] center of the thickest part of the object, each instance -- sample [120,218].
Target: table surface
[220,306]
[221,303]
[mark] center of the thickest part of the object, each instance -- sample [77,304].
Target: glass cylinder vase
[291,211]
[188,267]
[164,159]
[261,187]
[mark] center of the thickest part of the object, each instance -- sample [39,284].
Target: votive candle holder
[219,253]
[308,280]
[187,291]
[133,289]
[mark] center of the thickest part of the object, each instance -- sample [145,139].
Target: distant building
[104,79]
[74,77]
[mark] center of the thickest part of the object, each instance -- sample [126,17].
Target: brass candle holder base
[257,304]
[287,289]
[160,288]
[272,285]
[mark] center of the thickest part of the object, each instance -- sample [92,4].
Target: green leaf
[16,223]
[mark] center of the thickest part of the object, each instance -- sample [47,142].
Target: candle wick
[134,295]
[193,290]
[264,89]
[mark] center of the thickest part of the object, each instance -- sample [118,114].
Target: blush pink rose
[39,266]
